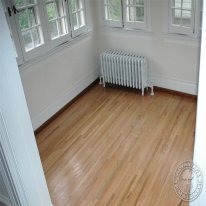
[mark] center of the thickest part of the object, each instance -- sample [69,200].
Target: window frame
[63,38]
[49,44]
[194,31]
[136,25]
[82,29]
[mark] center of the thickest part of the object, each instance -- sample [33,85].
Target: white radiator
[125,69]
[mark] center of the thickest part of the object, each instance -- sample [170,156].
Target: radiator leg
[100,79]
[103,82]
[142,91]
[152,91]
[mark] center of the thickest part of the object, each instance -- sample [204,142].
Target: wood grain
[115,147]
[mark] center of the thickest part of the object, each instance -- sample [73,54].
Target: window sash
[61,14]
[42,24]
[181,28]
[80,13]
[142,25]
[109,21]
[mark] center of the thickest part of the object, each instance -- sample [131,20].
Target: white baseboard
[175,84]
[54,107]
[4,200]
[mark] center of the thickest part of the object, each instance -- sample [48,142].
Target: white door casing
[16,137]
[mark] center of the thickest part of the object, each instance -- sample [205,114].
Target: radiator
[125,69]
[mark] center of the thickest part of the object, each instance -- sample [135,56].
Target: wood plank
[115,147]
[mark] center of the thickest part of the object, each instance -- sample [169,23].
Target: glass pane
[32,17]
[187,4]
[136,14]
[27,37]
[51,10]
[73,5]
[61,8]
[136,2]
[36,36]
[81,18]
[19,2]
[23,19]
[176,13]
[53,27]
[74,20]
[186,18]
[63,26]
[113,11]
[177,3]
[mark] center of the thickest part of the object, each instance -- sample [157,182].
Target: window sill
[141,33]
[54,51]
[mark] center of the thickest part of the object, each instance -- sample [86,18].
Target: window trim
[123,23]
[82,29]
[167,29]
[49,44]
[64,38]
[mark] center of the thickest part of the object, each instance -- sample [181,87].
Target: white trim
[54,51]
[62,100]
[111,23]
[170,29]
[175,84]
[200,132]
[146,25]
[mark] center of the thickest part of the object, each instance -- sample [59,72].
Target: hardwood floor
[115,147]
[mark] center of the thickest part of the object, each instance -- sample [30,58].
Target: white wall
[53,81]
[173,61]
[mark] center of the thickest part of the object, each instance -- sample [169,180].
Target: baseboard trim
[163,85]
[174,92]
[62,100]
[53,117]
[176,85]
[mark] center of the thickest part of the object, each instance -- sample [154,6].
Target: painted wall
[173,60]
[53,81]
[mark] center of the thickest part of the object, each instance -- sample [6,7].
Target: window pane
[113,10]
[81,18]
[136,14]
[51,10]
[19,2]
[74,20]
[73,5]
[32,17]
[186,18]
[187,4]
[27,37]
[136,2]
[176,13]
[36,36]
[23,19]
[177,3]
[53,29]
[63,26]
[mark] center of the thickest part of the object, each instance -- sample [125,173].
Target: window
[184,17]
[134,14]
[40,25]
[77,14]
